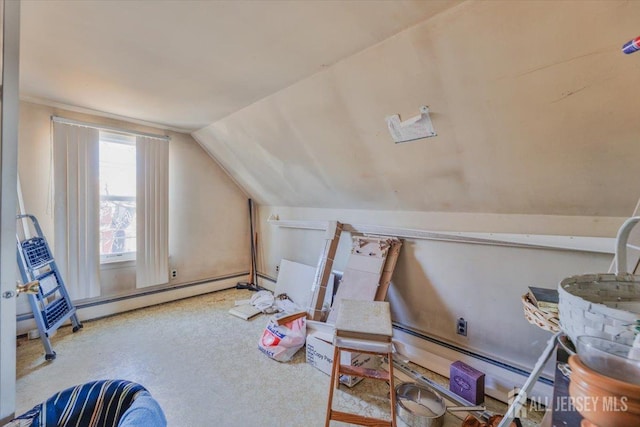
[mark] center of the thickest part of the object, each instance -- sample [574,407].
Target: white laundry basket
[603,305]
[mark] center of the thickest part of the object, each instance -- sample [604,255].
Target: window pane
[117,197]
[117,169]
[117,227]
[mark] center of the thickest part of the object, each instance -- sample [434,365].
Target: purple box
[466,382]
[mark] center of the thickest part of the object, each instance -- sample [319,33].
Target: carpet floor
[200,363]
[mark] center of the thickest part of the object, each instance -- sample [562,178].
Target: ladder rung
[359,371]
[358,419]
[43,275]
[40,265]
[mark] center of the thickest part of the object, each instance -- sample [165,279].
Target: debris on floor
[282,342]
[244,311]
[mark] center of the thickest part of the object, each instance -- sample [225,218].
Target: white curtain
[76,208]
[152,193]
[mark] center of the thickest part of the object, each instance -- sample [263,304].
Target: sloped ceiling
[186,64]
[534,104]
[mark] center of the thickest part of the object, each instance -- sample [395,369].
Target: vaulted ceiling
[533,102]
[534,105]
[186,64]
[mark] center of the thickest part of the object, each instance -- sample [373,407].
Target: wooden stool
[362,327]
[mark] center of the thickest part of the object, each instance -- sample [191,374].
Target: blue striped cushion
[94,404]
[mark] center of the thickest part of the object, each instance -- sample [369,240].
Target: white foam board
[296,280]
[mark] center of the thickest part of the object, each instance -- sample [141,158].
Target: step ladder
[51,305]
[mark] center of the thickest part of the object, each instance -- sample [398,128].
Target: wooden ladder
[368,347]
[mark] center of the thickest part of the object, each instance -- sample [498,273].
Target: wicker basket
[543,319]
[600,305]
[603,305]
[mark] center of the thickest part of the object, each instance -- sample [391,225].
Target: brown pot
[603,401]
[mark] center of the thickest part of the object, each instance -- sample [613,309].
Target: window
[111,203]
[117,171]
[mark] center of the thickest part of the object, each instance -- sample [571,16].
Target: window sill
[118,265]
[118,258]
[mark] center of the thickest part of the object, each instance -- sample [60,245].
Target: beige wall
[208,220]
[437,282]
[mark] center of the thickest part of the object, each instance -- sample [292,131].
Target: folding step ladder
[51,305]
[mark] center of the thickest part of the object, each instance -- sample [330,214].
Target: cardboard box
[320,355]
[466,382]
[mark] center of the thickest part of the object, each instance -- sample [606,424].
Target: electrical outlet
[174,274]
[461,327]
[277,268]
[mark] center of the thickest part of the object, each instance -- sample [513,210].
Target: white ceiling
[186,64]
[544,128]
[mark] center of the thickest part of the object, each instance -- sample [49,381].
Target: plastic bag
[282,342]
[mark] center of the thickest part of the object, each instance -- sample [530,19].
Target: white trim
[10,116]
[98,113]
[144,299]
[498,381]
[119,257]
[58,119]
[532,241]
[118,264]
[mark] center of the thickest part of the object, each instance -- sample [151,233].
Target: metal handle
[466,408]
[27,288]
[621,244]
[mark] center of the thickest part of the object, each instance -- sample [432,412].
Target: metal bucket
[419,406]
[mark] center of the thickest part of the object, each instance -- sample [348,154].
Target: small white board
[245,312]
[296,280]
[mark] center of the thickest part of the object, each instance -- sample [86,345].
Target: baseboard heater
[501,379]
[497,363]
[107,306]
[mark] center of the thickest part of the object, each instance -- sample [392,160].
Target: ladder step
[358,371]
[48,283]
[358,419]
[36,252]
[55,312]
[43,264]
[43,275]
[40,265]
